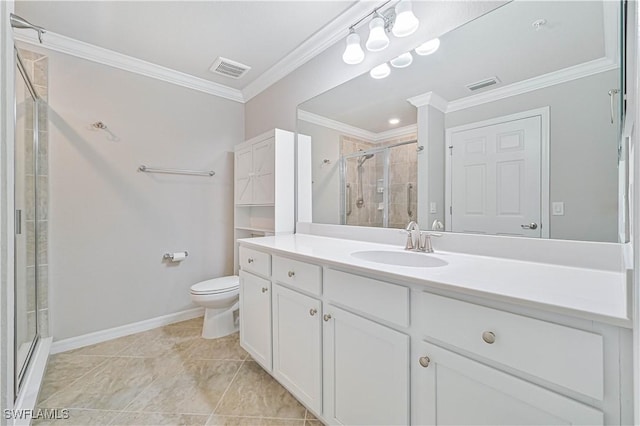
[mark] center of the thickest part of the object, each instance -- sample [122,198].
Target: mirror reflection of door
[495,176]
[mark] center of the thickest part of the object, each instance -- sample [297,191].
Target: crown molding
[546,80]
[310,48]
[356,131]
[429,98]
[90,52]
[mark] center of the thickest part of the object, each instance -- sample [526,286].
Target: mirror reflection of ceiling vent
[483,83]
[229,68]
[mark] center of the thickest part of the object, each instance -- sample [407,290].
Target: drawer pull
[489,337]
[291,274]
[424,361]
[312,311]
[265,289]
[327,317]
[250,260]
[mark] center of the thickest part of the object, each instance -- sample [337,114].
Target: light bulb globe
[381,71]
[353,53]
[378,39]
[406,22]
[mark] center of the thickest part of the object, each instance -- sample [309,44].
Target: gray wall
[583,153]
[276,106]
[325,144]
[111,224]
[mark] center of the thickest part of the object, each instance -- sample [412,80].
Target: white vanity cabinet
[365,371]
[297,344]
[455,390]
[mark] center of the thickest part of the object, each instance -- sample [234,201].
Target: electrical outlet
[557,208]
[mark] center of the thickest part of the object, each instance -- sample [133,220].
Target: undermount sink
[400,258]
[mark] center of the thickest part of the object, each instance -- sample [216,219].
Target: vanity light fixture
[402,61]
[399,20]
[381,71]
[353,53]
[406,22]
[429,47]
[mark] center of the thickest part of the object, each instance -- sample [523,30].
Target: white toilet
[219,297]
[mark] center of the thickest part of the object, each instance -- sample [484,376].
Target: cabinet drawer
[255,261]
[562,355]
[386,301]
[304,276]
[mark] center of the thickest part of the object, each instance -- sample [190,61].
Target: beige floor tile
[255,393]
[227,347]
[217,420]
[313,423]
[80,418]
[192,323]
[112,386]
[153,419]
[108,348]
[161,342]
[195,390]
[64,369]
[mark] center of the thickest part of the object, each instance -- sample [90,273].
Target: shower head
[20,22]
[364,158]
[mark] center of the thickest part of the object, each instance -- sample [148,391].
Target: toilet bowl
[219,297]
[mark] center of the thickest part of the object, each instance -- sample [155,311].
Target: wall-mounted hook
[99,125]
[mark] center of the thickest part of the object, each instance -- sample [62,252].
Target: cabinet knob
[291,274]
[313,311]
[489,337]
[250,260]
[424,361]
[265,289]
[327,317]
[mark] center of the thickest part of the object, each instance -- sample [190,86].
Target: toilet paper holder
[171,256]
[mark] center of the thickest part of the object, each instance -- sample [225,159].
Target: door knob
[327,317]
[424,361]
[532,225]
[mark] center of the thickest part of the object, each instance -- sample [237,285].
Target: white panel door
[243,176]
[496,178]
[297,345]
[263,172]
[455,390]
[255,318]
[365,371]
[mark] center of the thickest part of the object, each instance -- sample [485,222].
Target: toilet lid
[216,285]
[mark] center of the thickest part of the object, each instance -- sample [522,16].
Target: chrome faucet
[421,241]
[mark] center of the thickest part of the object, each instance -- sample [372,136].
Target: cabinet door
[452,389]
[263,172]
[255,318]
[297,326]
[365,371]
[243,176]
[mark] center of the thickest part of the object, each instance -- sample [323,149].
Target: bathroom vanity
[461,339]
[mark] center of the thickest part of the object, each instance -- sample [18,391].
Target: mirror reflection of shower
[361,161]
[378,182]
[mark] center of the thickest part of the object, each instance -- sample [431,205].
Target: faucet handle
[409,245]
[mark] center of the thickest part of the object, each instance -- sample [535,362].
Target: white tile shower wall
[111,224]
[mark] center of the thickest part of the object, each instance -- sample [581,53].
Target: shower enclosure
[27,219]
[378,186]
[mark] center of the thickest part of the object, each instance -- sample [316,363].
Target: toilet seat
[216,285]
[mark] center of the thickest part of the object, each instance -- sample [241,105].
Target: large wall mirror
[511,127]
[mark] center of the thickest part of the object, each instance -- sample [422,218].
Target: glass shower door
[25,243]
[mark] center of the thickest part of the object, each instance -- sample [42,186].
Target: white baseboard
[28,395]
[124,330]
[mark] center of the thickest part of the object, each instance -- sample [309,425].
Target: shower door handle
[409,188]
[18,222]
[348,199]
[612,95]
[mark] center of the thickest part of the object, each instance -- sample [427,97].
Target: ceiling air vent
[483,83]
[229,68]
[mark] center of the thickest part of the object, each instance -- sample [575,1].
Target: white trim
[544,114]
[90,52]
[124,330]
[33,380]
[320,41]
[539,82]
[429,98]
[357,131]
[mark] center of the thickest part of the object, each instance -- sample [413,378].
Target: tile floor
[167,376]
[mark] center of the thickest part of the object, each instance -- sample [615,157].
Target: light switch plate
[557,208]
[432,207]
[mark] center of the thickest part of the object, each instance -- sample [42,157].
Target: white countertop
[593,294]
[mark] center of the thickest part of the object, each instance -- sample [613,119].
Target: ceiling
[502,43]
[187,36]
